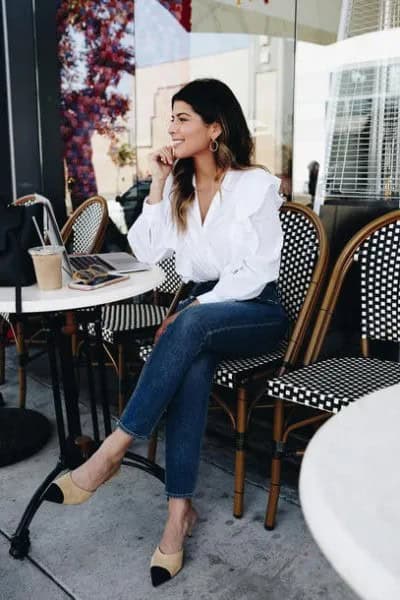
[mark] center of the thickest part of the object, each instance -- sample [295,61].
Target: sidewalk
[101,550]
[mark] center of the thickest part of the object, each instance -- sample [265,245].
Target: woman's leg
[186,419]
[185,423]
[187,413]
[143,410]
[226,328]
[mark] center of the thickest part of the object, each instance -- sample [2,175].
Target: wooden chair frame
[239,419]
[282,430]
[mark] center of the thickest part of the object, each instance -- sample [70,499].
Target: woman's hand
[170,320]
[160,163]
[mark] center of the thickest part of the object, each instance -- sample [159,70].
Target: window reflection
[97,64]
[345,130]
[347,107]
[117,84]
[251,48]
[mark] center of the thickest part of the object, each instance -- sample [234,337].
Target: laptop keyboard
[84,262]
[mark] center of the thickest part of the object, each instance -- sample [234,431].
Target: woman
[219,214]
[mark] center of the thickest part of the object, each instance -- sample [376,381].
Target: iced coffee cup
[47,265]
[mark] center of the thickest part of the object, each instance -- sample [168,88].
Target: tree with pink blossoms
[96,49]
[181,9]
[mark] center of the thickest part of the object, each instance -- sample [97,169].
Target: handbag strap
[18,297]
[18,291]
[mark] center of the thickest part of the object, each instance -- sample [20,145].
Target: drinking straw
[38,231]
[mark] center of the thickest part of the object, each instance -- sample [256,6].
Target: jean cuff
[138,436]
[184,495]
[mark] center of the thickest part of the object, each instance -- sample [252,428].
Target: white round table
[35,300]
[71,441]
[349,492]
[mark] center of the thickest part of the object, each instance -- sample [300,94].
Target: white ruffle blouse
[239,244]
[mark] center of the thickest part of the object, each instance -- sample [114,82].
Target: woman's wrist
[156,191]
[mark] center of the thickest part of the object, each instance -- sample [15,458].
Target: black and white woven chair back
[379,260]
[300,252]
[172,280]
[85,229]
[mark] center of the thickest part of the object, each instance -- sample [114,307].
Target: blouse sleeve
[152,236]
[257,240]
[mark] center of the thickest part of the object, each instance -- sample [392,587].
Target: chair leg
[270,515]
[22,360]
[240,454]
[152,447]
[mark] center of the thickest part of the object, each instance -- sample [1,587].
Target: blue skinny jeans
[177,377]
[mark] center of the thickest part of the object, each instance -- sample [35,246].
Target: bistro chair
[125,325]
[83,232]
[334,383]
[303,265]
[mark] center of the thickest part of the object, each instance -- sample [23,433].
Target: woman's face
[190,136]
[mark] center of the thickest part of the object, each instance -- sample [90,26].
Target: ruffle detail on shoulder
[254,187]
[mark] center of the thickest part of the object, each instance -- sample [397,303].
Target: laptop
[121,262]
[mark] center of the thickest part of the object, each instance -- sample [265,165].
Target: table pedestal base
[20,541]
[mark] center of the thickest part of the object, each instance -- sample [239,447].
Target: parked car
[132,200]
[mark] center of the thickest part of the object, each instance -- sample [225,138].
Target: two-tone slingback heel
[65,491]
[164,567]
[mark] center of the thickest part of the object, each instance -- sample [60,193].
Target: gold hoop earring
[213,146]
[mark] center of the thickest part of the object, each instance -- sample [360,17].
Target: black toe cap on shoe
[54,494]
[159,575]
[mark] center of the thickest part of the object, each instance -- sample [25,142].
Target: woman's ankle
[182,514]
[103,463]
[179,508]
[181,519]
[115,446]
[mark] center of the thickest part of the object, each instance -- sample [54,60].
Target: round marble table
[68,300]
[52,303]
[35,300]
[349,492]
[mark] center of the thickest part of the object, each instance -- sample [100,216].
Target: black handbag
[17,234]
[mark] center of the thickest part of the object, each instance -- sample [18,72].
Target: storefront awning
[317,21]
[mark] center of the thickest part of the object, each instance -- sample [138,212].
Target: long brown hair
[215,102]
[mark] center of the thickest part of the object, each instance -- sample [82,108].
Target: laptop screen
[53,231]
